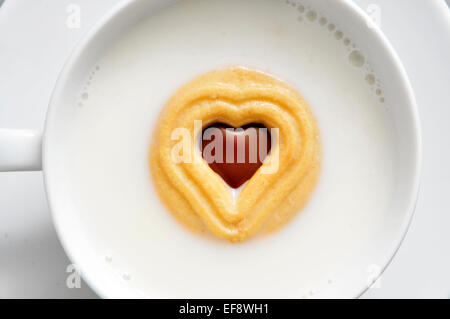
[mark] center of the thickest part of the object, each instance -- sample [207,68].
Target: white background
[35,42]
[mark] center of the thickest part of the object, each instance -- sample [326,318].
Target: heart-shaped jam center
[235,153]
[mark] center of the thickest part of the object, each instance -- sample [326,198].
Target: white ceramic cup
[22,150]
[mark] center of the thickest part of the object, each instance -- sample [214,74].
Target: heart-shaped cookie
[280,187]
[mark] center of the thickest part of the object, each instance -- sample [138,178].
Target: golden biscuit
[279,189]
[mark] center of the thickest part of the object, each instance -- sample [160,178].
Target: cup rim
[351,8]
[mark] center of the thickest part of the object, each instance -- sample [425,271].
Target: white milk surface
[137,238]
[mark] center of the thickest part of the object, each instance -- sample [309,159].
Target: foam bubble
[357,59]
[322,21]
[370,79]
[311,15]
[126,276]
[338,35]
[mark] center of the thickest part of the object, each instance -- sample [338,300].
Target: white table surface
[35,42]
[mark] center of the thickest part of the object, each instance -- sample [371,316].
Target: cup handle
[20,150]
